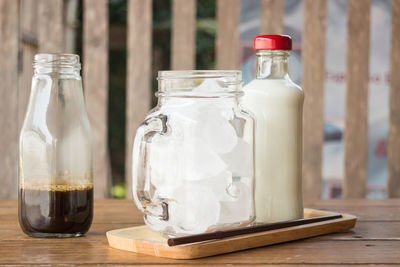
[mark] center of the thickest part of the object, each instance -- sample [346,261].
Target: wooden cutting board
[141,239]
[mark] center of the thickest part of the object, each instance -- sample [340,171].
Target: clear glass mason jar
[193,168]
[55,152]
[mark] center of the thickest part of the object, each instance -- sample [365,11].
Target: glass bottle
[193,169]
[55,152]
[277,104]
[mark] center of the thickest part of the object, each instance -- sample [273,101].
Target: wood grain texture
[365,231]
[28,18]
[369,211]
[227,39]
[28,49]
[51,29]
[138,95]
[142,240]
[272,12]
[394,127]
[71,25]
[374,240]
[357,76]
[8,97]
[183,35]
[313,58]
[27,54]
[95,79]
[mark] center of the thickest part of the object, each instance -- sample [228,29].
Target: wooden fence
[40,26]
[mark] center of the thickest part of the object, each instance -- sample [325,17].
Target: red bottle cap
[272,42]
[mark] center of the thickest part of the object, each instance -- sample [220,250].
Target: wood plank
[28,49]
[24,80]
[28,17]
[359,202]
[95,79]
[106,211]
[227,39]
[368,231]
[12,232]
[313,81]
[138,95]
[363,231]
[366,213]
[376,247]
[183,37]
[89,251]
[51,29]
[8,97]
[272,12]
[71,25]
[109,210]
[394,128]
[357,76]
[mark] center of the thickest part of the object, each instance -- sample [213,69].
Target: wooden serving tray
[141,239]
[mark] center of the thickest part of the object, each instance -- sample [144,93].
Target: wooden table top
[374,240]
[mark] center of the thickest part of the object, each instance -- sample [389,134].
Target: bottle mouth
[273,53]
[56,62]
[200,83]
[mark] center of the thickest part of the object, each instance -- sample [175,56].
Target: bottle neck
[272,64]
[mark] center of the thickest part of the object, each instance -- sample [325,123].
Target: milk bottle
[276,102]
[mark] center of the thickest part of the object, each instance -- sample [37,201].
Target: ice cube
[206,118]
[172,161]
[163,161]
[194,209]
[155,223]
[219,134]
[216,130]
[220,106]
[165,191]
[240,159]
[197,133]
[199,160]
[208,85]
[178,109]
[240,207]
[218,184]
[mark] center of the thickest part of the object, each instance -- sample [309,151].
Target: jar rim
[187,83]
[232,75]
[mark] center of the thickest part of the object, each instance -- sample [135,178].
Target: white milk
[277,107]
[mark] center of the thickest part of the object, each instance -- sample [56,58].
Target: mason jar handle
[141,179]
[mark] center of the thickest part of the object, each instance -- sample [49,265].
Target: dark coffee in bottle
[55,159]
[55,210]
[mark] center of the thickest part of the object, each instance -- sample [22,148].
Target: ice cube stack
[202,167]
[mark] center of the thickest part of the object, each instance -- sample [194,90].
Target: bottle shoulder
[262,84]
[276,87]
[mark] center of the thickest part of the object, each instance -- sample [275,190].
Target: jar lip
[191,94]
[200,83]
[232,75]
[56,60]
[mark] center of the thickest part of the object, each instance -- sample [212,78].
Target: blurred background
[205,58]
